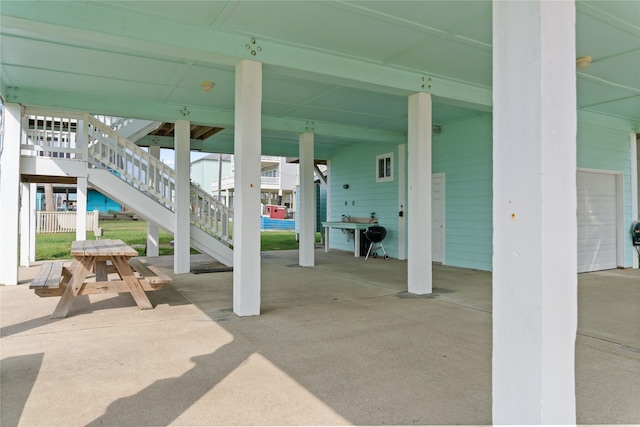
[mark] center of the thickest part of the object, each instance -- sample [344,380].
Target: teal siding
[357,168]
[463,152]
[608,148]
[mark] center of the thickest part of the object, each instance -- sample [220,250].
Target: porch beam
[197,115]
[534,212]
[246,231]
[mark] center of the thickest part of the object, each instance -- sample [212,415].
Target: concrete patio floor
[338,344]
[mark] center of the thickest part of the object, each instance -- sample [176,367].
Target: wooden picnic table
[104,257]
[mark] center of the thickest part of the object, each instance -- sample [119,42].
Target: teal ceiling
[341,68]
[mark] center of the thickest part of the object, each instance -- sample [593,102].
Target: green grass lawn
[134,233]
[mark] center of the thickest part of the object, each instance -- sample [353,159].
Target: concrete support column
[81,209]
[246,223]
[25,224]
[33,191]
[153,241]
[534,212]
[635,180]
[307,215]
[419,209]
[402,202]
[181,236]
[10,194]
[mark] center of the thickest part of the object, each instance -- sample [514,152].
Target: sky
[167,156]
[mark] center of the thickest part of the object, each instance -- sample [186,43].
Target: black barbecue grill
[375,234]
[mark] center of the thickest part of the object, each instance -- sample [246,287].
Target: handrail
[61,134]
[210,215]
[108,149]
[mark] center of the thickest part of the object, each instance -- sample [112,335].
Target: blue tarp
[267,223]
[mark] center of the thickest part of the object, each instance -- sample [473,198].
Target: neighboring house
[277,182]
[66,199]
[205,170]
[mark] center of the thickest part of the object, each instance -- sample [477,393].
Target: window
[384,167]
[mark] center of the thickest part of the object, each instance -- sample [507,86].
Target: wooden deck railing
[63,222]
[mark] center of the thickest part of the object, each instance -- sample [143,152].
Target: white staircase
[126,173]
[132,129]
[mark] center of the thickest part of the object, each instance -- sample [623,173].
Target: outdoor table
[355,226]
[93,256]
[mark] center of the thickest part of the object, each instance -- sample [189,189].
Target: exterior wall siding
[356,167]
[463,152]
[606,147]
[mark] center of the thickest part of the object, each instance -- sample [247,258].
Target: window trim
[388,166]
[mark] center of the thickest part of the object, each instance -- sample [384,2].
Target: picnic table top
[101,248]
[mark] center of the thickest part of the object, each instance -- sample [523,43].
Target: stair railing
[108,149]
[62,135]
[51,134]
[210,215]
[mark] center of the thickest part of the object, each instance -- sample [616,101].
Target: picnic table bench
[102,257]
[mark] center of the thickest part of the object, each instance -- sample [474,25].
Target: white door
[437,217]
[597,221]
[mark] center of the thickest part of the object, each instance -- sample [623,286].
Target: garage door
[597,216]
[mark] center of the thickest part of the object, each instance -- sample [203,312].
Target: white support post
[635,179]
[81,209]
[25,224]
[534,212]
[182,236]
[402,202]
[153,241]
[419,270]
[307,216]
[33,209]
[10,194]
[246,225]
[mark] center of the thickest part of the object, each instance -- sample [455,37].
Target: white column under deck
[419,207]
[181,237]
[153,241]
[633,143]
[534,212]
[246,225]
[307,213]
[81,209]
[402,202]
[25,223]
[10,194]
[32,221]
[81,186]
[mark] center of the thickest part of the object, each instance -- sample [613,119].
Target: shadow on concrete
[163,401]
[17,375]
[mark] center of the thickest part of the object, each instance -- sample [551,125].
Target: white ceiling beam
[196,115]
[118,29]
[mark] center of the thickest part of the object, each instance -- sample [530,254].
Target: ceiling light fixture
[207,86]
[583,62]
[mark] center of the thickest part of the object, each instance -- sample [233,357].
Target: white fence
[63,222]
